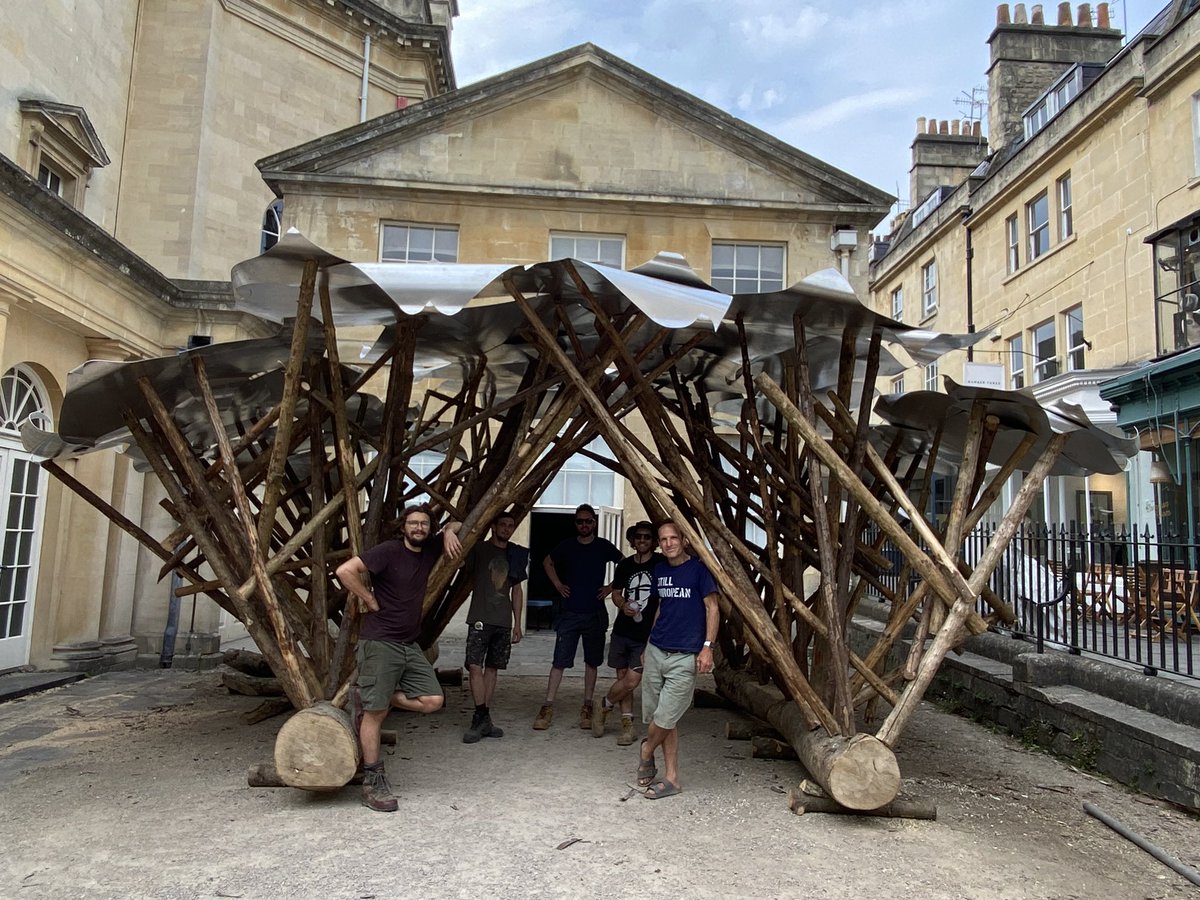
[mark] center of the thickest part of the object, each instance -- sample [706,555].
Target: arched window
[272,226]
[22,400]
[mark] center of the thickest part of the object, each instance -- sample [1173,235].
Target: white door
[609,527]
[21,488]
[22,503]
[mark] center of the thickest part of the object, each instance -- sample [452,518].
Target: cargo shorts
[385,667]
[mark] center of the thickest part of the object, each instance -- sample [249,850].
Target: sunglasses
[585,521]
[643,537]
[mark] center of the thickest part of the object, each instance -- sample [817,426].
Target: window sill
[1193,182]
[928,317]
[1061,245]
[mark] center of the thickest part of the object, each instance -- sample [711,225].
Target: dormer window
[60,148]
[1062,92]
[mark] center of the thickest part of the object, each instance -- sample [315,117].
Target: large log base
[316,749]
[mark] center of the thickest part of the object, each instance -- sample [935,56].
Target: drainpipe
[168,639]
[362,97]
[970,286]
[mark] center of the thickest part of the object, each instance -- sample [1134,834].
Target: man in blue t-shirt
[576,568]
[680,646]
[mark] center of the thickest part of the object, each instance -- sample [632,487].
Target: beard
[418,540]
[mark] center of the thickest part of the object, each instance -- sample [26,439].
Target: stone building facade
[128,134]
[1091,151]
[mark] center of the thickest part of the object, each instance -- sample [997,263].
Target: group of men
[666,623]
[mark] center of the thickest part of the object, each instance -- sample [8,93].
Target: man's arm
[518,608]
[451,545]
[712,618]
[355,575]
[552,574]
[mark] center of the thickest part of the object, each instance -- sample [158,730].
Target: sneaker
[489,729]
[598,721]
[625,738]
[544,717]
[585,716]
[377,793]
[476,731]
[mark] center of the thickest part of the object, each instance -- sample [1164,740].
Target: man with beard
[496,568]
[576,568]
[390,581]
[633,595]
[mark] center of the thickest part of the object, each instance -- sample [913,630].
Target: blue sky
[842,81]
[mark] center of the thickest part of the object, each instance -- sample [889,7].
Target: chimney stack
[944,152]
[1027,57]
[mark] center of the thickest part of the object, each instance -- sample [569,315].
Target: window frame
[898,303]
[1044,367]
[1076,361]
[576,236]
[897,386]
[929,289]
[1066,213]
[1037,233]
[434,229]
[1016,362]
[735,284]
[1012,229]
[931,376]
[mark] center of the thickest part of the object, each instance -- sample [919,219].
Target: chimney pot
[1019,15]
[920,124]
[1085,15]
[1064,13]
[1102,19]
[944,126]
[1002,14]
[932,126]
[976,129]
[1036,15]
[954,126]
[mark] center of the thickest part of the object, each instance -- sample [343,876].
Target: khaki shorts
[667,686]
[385,667]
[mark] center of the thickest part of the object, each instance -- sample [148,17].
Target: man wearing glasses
[633,595]
[576,568]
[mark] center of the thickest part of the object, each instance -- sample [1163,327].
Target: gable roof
[73,124]
[324,153]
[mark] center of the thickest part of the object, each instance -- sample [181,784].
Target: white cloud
[775,30]
[854,106]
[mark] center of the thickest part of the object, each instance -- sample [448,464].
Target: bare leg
[552,685]
[478,684]
[670,747]
[589,682]
[621,692]
[368,734]
[489,685]
[417,704]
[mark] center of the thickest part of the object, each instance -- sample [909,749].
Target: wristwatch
[708,643]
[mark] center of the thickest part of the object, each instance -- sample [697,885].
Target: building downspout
[366,73]
[970,287]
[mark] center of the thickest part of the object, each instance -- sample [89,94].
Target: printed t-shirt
[399,577]
[681,590]
[581,568]
[635,581]
[492,580]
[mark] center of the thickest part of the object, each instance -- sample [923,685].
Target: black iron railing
[1120,595]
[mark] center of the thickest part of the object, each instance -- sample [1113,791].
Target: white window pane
[722,261]
[772,264]
[602,489]
[610,252]
[578,487]
[446,245]
[561,247]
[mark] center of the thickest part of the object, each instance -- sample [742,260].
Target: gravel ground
[133,785]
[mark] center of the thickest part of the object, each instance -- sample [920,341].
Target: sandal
[646,770]
[662,788]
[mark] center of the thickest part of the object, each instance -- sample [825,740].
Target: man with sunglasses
[576,568]
[633,595]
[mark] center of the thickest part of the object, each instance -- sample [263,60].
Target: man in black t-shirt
[390,580]
[496,568]
[632,593]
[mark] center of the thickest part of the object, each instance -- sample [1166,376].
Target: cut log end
[316,749]
[865,775]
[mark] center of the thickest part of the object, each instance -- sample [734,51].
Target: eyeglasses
[585,521]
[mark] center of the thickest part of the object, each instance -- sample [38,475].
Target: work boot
[598,721]
[625,738]
[585,716]
[544,717]
[376,792]
[488,728]
[476,731]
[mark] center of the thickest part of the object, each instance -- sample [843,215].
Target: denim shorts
[592,628]
[625,652]
[489,646]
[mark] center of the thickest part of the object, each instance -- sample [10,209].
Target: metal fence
[1121,595]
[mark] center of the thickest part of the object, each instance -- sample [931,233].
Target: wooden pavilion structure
[735,416]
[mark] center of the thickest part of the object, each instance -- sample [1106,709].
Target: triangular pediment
[69,123]
[580,122]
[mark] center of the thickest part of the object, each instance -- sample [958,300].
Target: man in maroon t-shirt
[390,581]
